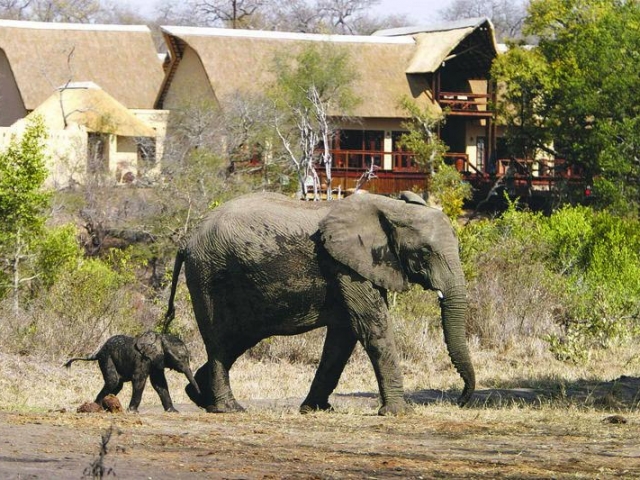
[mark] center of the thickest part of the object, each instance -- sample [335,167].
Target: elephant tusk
[440,294]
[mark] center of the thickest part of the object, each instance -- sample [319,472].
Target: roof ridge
[71,26]
[279,35]
[472,22]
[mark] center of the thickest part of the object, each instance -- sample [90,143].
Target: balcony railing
[362,160]
[463,103]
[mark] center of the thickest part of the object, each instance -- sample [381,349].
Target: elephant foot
[310,407]
[228,406]
[395,408]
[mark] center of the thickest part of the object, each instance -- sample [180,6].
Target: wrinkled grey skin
[132,359]
[264,265]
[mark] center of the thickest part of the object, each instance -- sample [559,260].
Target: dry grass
[534,417]
[271,440]
[33,384]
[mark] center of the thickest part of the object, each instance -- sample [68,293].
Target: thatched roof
[88,105]
[241,60]
[435,44]
[121,59]
[389,65]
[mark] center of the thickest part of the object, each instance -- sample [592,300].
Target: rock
[89,407]
[616,419]
[112,404]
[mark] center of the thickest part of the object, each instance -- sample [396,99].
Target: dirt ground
[586,431]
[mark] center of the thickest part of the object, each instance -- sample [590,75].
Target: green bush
[451,191]
[83,307]
[586,266]
[568,232]
[57,251]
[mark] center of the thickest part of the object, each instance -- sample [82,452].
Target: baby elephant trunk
[191,379]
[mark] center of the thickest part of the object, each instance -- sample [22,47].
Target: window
[146,153]
[361,148]
[97,153]
[402,160]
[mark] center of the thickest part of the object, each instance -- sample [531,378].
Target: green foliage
[568,232]
[317,67]
[23,203]
[57,252]
[23,171]
[421,138]
[588,261]
[450,190]
[579,87]
[82,307]
[523,73]
[443,181]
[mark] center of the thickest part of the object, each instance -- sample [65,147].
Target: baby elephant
[133,359]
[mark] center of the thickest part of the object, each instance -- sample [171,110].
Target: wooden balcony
[467,104]
[349,166]
[525,178]
[361,160]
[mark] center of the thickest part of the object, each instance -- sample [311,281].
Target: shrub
[82,308]
[572,278]
[510,296]
[450,190]
[416,321]
[57,251]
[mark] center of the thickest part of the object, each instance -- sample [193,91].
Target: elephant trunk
[191,379]
[453,304]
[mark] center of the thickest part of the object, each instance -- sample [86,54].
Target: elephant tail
[90,358]
[171,309]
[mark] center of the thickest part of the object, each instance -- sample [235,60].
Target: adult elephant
[264,264]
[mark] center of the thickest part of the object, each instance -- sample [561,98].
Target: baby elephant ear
[149,344]
[356,233]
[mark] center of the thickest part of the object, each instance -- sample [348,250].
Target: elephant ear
[149,345]
[357,233]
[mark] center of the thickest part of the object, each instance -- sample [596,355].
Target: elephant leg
[338,347]
[112,381]
[108,389]
[215,390]
[212,377]
[369,314]
[223,399]
[137,387]
[159,384]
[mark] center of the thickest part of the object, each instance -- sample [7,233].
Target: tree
[73,11]
[231,13]
[309,93]
[349,17]
[345,16]
[443,181]
[421,138]
[507,16]
[579,87]
[524,76]
[23,201]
